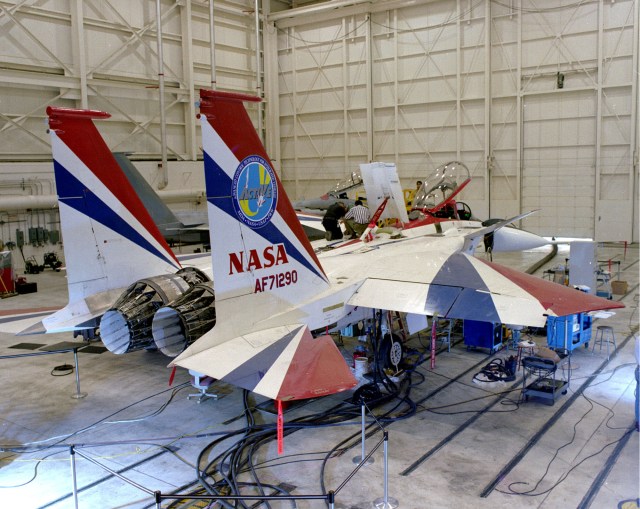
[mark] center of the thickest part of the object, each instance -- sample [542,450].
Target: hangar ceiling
[539,99]
[103,54]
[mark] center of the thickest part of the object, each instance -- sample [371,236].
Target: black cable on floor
[62,370]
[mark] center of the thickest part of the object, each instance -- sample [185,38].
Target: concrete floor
[457,444]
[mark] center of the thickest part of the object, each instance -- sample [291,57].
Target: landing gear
[390,351]
[87,335]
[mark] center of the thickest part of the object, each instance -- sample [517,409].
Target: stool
[604,334]
[201,382]
[516,334]
[528,347]
[443,329]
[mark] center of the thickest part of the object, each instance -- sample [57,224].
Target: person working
[356,220]
[412,193]
[330,220]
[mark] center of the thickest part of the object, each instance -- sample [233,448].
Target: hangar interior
[538,99]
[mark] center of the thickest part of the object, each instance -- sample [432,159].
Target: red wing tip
[207,95]
[57,112]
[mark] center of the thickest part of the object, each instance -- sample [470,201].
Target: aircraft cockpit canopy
[441,185]
[341,187]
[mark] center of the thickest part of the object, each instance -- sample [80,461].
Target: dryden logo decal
[254,192]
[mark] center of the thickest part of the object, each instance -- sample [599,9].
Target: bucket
[361,366]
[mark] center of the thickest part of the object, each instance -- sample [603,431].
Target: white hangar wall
[345,82]
[103,54]
[538,99]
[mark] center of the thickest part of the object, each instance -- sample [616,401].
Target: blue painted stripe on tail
[73,193]
[219,184]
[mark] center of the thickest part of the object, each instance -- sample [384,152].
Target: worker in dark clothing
[331,220]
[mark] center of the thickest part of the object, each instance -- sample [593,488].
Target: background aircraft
[172,229]
[272,290]
[338,193]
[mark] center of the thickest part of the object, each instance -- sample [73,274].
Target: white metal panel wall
[422,83]
[102,54]
[323,78]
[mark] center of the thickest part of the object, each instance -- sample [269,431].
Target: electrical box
[569,332]
[37,235]
[482,335]
[54,236]
[19,238]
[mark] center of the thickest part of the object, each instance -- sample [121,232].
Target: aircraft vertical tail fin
[263,268]
[109,237]
[161,214]
[260,247]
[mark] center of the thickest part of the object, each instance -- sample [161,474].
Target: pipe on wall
[12,203]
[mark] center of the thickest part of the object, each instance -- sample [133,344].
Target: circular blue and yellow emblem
[254,191]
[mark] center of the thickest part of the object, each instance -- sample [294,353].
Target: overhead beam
[334,9]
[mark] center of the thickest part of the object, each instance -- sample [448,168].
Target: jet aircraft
[274,293]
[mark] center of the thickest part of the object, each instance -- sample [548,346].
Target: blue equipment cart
[569,332]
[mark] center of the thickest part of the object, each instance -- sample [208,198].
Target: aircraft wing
[470,288]
[312,224]
[283,363]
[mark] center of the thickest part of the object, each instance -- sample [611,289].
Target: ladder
[396,325]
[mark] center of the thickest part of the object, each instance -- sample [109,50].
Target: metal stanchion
[72,453]
[78,394]
[158,497]
[386,502]
[359,459]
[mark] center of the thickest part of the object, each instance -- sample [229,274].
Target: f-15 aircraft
[273,291]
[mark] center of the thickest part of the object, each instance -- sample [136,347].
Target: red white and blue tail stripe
[110,239]
[263,245]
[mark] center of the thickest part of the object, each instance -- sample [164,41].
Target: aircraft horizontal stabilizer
[14,321]
[282,363]
[77,315]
